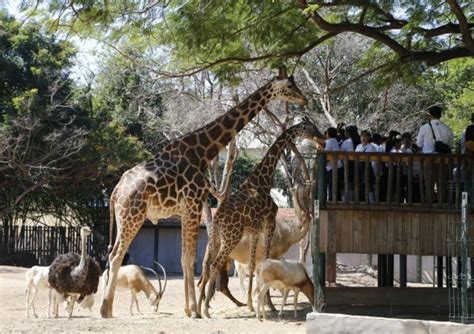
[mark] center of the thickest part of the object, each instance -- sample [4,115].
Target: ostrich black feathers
[60,275]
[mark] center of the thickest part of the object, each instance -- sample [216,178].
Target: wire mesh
[459,264]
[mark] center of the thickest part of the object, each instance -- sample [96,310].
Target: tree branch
[449,28]
[406,55]
[371,32]
[463,24]
[229,60]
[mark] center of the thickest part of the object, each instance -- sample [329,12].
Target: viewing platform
[393,204]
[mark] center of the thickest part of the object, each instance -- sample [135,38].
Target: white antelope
[283,275]
[131,277]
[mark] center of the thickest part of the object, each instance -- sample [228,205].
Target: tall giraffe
[175,183]
[249,211]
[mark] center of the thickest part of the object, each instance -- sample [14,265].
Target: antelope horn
[164,273]
[154,272]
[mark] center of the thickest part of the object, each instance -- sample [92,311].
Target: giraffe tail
[111,223]
[111,235]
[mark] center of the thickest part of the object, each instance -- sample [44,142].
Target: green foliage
[454,83]
[201,34]
[245,164]
[227,34]
[131,95]
[30,64]
[62,150]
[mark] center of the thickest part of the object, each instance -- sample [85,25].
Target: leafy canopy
[225,34]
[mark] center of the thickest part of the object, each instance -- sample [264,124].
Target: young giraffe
[175,183]
[250,210]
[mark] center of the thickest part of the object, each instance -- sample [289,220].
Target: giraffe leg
[115,261]
[253,251]
[206,265]
[269,229]
[227,245]
[190,230]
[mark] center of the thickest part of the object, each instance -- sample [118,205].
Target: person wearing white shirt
[348,145]
[397,145]
[408,147]
[331,144]
[377,142]
[426,142]
[366,146]
[425,139]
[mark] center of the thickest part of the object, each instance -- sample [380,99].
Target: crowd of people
[433,137]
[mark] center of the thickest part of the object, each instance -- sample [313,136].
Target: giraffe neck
[214,136]
[265,170]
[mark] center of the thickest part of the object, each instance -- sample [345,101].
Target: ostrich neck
[79,273]
[83,252]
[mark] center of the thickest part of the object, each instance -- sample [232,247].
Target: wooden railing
[394,179]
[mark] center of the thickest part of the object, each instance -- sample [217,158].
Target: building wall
[167,250]
[163,243]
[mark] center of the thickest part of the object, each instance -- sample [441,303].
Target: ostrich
[75,276]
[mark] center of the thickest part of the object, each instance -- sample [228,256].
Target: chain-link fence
[460,264]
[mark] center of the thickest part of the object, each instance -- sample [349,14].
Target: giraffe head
[308,129]
[284,88]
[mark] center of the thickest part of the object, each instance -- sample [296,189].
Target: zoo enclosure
[45,243]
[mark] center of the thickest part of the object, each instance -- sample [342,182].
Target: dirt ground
[226,317]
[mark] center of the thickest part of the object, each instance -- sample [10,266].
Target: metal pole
[403,271]
[449,271]
[419,265]
[319,169]
[439,271]
[464,295]
[389,280]
[322,269]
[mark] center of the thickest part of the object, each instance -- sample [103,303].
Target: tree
[369,104]
[133,98]
[57,155]
[223,34]
[453,84]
